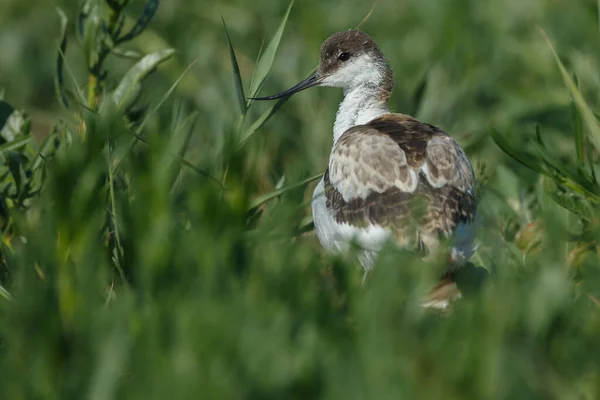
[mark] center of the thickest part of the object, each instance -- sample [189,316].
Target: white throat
[361,104]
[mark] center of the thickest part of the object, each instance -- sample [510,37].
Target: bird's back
[398,175]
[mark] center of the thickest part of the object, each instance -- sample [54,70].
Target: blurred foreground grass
[157,246]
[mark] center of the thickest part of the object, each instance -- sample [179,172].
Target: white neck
[360,105]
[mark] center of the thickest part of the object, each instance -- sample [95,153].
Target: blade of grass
[15,144]
[280,182]
[237,77]
[187,124]
[369,15]
[538,135]
[113,214]
[46,144]
[141,24]
[181,137]
[578,130]
[566,177]
[62,47]
[586,113]
[260,50]
[266,60]
[4,293]
[256,125]
[307,224]
[80,96]
[183,161]
[276,193]
[590,159]
[166,95]
[137,136]
[521,158]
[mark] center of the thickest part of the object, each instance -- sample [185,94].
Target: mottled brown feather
[419,212]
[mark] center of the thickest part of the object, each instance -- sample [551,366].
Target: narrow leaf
[237,77]
[129,88]
[582,143]
[567,177]
[167,94]
[368,15]
[586,112]
[14,144]
[307,224]
[276,193]
[538,135]
[590,158]
[142,22]
[253,78]
[578,134]
[4,293]
[60,55]
[266,61]
[280,182]
[48,146]
[575,204]
[128,54]
[524,159]
[256,125]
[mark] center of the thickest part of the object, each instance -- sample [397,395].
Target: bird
[389,176]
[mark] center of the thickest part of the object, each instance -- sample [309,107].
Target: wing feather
[402,174]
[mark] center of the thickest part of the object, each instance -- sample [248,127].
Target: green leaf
[129,88]
[15,162]
[577,130]
[88,19]
[586,113]
[4,293]
[60,56]
[253,78]
[237,77]
[538,135]
[307,224]
[276,193]
[521,157]
[127,54]
[266,61]
[572,202]
[48,146]
[167,94]
[141,23]
[567,177]
[368,15]
[256,125]
[280,182]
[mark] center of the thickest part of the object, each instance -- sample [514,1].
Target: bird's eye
[344,56]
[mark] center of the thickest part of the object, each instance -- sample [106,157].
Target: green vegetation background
[209,297]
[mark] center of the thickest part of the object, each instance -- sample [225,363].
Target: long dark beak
[311,81]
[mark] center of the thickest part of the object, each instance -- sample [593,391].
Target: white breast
[336,237]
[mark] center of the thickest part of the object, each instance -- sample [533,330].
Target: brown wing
[402,174]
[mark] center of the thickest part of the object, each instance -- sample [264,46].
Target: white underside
[337,238]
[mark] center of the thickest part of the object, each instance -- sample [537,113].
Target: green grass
[157,240]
